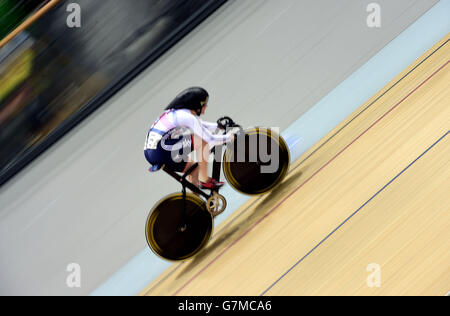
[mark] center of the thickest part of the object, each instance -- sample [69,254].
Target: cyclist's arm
[212,127]
[200,129]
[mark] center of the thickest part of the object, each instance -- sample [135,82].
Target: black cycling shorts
[172,152]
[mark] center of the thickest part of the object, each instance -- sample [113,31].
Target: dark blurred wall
[66,73]
[114,33]
[13,12]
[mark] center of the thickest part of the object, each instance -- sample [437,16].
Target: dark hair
[191,99]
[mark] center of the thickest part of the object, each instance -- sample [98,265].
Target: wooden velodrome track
[375,190]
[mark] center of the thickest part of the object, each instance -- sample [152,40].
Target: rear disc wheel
[171,238]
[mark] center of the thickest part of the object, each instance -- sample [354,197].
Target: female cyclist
[179,131]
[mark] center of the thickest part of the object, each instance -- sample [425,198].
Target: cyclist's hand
[233,132]
[225,122]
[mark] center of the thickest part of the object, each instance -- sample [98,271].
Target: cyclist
[179,131]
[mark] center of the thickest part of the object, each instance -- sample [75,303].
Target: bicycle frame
[186,184]
[223,123]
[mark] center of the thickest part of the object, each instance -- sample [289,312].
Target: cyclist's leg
[202,153]
[193,177]
[174,152]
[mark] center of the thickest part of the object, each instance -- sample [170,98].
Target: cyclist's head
[195,98]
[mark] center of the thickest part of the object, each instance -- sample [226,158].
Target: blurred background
[53,76]
[85,199]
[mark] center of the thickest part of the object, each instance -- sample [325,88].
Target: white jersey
[184,119]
